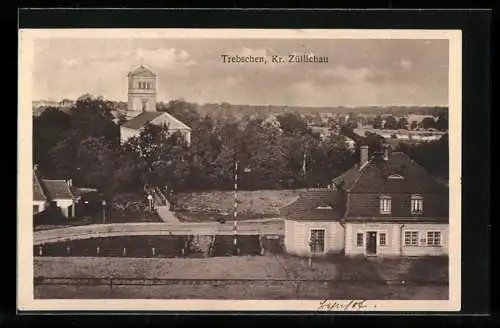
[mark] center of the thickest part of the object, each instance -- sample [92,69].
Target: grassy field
[202,206]
[248,277]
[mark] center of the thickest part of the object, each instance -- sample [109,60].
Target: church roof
[140,120]
[155,118]
[142,71]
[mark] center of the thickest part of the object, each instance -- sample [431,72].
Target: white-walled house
[133,127]
[53,193]
[387,205]
[39,198]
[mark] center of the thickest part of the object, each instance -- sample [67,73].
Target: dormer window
[395,177]
[417,204]
[385,204]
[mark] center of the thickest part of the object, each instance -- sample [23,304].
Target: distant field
[252,204]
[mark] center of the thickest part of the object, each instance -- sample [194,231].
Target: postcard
[239,169]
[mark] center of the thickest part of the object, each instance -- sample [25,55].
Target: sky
[364,72]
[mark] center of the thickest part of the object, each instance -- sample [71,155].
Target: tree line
[84,145]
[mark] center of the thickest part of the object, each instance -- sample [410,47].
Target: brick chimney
[363,155]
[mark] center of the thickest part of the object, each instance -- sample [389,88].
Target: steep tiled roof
[373,177]
[140,120]
[347,179]
[38,194]
[57,189]
[318,204]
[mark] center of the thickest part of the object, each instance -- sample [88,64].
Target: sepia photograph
[239,169]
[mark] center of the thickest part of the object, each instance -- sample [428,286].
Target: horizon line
[265,105]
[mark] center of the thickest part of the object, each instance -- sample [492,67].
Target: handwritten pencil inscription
[352,305]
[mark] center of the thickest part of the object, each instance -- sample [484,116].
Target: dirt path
[137,229]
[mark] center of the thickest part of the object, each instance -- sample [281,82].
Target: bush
[129,202]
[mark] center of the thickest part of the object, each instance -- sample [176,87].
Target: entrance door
[371,243]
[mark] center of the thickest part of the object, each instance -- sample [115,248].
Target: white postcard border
[26,301]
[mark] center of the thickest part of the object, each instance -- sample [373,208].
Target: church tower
[141,91]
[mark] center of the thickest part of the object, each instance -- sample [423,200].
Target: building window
[35,209]
[359,239]
[417,204]
[385,205]
[411,238]
[433,238]
[317,240]
[382,240]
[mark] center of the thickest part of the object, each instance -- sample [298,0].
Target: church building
[142,85]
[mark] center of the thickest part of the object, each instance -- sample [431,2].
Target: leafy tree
[97,161]
[428,123]
[373,141]
[331,158]
[351,123]
[391,123]
[292,123]
[91,116]
[378,123]
[161,152]
[182,110]
[414,125]
[62,159]
[129,174]
[48,130]
[403,123]
[434,156]
[442,123]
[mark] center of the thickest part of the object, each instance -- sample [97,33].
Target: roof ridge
[37,179]
[175,119]
[415,163]
[361,169]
